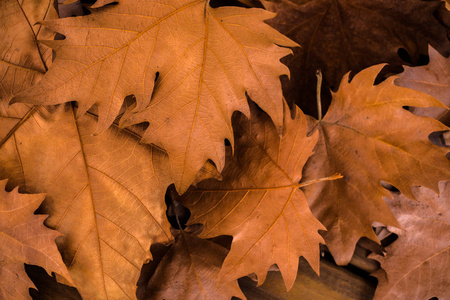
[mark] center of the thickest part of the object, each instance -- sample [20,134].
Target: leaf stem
[318,99]
[329,178]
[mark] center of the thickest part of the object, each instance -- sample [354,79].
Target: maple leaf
[416,265]
[369,137]
[207,60]
[338,36]
[24,239]
[22,59]
[190,270]
[105,194]
[432,79]
[258,201]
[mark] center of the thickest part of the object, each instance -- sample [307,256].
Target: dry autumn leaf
[338,36]
[190,270]
[432,79]
[22,59]
[259,202]
[205,61]
[24,239]
[105,194]
[417,265]
[369,137]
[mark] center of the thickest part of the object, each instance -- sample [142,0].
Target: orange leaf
[22,59]
[369,137]
[207,60]
[105,194]
[24,239]
[259,202]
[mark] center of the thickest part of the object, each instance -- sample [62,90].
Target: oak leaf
[369,137]
[338,36]
[105,194]
[417,264]
[24,239]
[190,270]
[22,59]
[432,79]
[259,202]
[207,59]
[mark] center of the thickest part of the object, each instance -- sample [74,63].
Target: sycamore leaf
[417,264]
[22,59]
[432,79]
[105,194]
[369,137]
[24,239]
[190,270]
[259,202]
[338,36]
[206,59]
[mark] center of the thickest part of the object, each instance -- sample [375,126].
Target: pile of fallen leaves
[101,113]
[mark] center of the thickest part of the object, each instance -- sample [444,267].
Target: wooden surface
[334,283]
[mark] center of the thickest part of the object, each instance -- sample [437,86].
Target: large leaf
[190,270]
[24,239]
[207,60]
[105,194]
[369,137]
[22,59]
[417,264]
[338,36]
[259,202]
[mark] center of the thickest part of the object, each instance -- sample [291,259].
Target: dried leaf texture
[207,60]
[369,137]
[338,36]
[417,264]
[190,270]
[105,194]
[432,79]
[24,239]
[22,59]
[259,202]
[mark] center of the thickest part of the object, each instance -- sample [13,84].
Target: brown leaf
[259,202]
[417,264]
[22,59]
[432,79]
[105,194]
[24,239]
[207,60]
[338,36]
[369,137]
[190,270]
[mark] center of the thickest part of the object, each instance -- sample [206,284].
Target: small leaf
[190,270]
[24,239]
